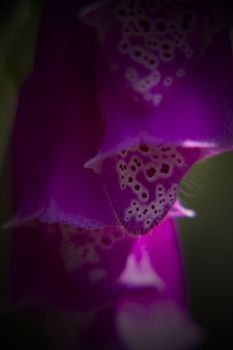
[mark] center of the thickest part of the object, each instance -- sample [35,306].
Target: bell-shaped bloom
[91,145]
[141,279]
[123,100]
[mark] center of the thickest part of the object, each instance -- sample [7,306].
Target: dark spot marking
[133,168]
[152,206]
[137,53]
[144,195]
[185,25]
[145,25]
[130,179]
[106,241]
[161,26]
[150,172]
[144,148]
[122,12]
[188,17]
[167,54]
[166,46]
[137,187]
[164,168]
[145,211]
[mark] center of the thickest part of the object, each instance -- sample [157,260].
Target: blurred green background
[207,240]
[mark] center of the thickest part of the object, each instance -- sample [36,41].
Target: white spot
[168,81]
[140,273]
[157,99]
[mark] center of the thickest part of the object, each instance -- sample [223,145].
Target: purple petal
[143,96]
[142,183]
[67,267]
[156,325]
[58,128]
[82,269]
[158,319]
[156,316]
[157,255]
[76,111]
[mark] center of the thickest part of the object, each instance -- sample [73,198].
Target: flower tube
[123,100]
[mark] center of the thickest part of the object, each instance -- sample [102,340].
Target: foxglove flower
[124,98]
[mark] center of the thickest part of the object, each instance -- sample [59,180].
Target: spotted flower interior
[142,183]
[150,45]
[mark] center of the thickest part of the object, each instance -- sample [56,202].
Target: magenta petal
[58,128]
[155,259]
[142,183]
[160,325]
[142,95]
[157,319]
[76,111]
[67,267]
[151,310]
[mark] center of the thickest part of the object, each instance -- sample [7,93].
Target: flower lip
[142,183]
